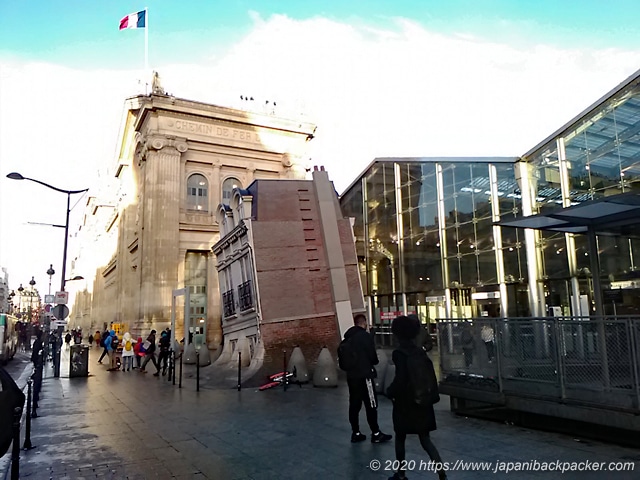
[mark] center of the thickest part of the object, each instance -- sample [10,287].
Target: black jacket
[367,356]
[408,418]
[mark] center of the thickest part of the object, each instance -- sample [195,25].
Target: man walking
[360,375]
[150,352]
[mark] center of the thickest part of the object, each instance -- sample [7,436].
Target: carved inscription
[185,126]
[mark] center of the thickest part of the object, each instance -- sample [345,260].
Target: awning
[617,215]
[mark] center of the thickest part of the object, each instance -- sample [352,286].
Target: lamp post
[32,282]
[20,289]
[51,272]
[17,176]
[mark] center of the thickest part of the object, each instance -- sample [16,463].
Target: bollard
[197,370]
[239,370]
[284,369]
[180,382]
[170,365]
[27,433]
[174,369]
[15,456]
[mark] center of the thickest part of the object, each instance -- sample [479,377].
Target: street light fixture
[51,272]
[17,176]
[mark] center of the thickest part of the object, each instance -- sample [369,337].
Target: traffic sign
[49,298]
[60,312]
[61,298]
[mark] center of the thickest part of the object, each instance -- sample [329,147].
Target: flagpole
[146,40]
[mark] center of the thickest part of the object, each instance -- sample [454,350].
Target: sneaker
[142,370]
[380,437]
[157,374]
[358,437]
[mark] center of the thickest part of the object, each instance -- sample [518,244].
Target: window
[197,192]
[227,187]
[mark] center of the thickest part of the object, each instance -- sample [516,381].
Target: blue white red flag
[134,20]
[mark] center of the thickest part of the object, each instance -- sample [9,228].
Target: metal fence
[587,360]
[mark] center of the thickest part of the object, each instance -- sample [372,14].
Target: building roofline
[430,160]
[635,77]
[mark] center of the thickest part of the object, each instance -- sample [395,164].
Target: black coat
[367,356]
[408,418]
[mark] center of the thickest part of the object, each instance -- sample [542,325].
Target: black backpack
[115,341]
[347,355]
[422,377]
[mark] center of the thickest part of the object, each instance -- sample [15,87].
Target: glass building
[429,231]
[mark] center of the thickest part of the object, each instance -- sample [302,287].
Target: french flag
[134,20]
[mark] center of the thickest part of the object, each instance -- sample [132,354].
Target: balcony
[228,303]
[245,296]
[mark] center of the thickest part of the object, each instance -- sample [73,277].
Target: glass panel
[383,236]
[197,193]
[195,278]
[227,188]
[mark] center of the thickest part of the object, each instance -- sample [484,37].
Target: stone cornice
[238,231]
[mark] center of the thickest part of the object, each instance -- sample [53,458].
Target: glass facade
[427,237]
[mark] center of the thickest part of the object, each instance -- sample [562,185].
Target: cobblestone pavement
[119,425]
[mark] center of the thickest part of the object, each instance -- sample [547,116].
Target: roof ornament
[156,86]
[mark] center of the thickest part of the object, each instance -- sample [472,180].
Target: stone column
[161,226]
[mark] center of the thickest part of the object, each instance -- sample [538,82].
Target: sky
[378,78]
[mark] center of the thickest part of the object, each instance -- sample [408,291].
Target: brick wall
[309,334]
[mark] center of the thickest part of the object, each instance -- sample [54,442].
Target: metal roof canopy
[617,215]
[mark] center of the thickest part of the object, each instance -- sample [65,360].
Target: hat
[153,331]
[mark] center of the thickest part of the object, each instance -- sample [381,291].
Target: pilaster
[161,232]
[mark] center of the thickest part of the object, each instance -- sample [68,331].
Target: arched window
[227,187]
[197,189]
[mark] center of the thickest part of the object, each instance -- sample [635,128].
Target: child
[139,353]
[408,416]
[127,352]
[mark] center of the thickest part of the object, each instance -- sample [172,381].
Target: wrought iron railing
[594,360]
[245,295]
[228,303]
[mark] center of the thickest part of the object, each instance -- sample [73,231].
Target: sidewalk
[119,425]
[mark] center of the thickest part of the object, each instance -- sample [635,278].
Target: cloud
[399,90]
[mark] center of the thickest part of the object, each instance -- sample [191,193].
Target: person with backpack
[127,352]
[111,352]
[413,391]
[103,339]
[357,356]
[163,356]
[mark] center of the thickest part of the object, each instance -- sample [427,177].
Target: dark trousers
[104,352]
[362,390]
[152,357]
[468,356]
[426,443]
[490,350]
[163,358]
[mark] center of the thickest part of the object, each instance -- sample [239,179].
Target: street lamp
[17,176]
[20,289]
[51,272]
[32,282]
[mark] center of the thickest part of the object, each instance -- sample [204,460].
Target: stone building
[150,230]
[288,270]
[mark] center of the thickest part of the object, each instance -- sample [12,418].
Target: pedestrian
[150,352]
[108,345]
[139,352]
[410,417]
[360,377]
[165,346]
[37,349]
[486,333]
[127,352]
[96,338]
[90,340]
[67,339]
[468,344]
[103,339]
